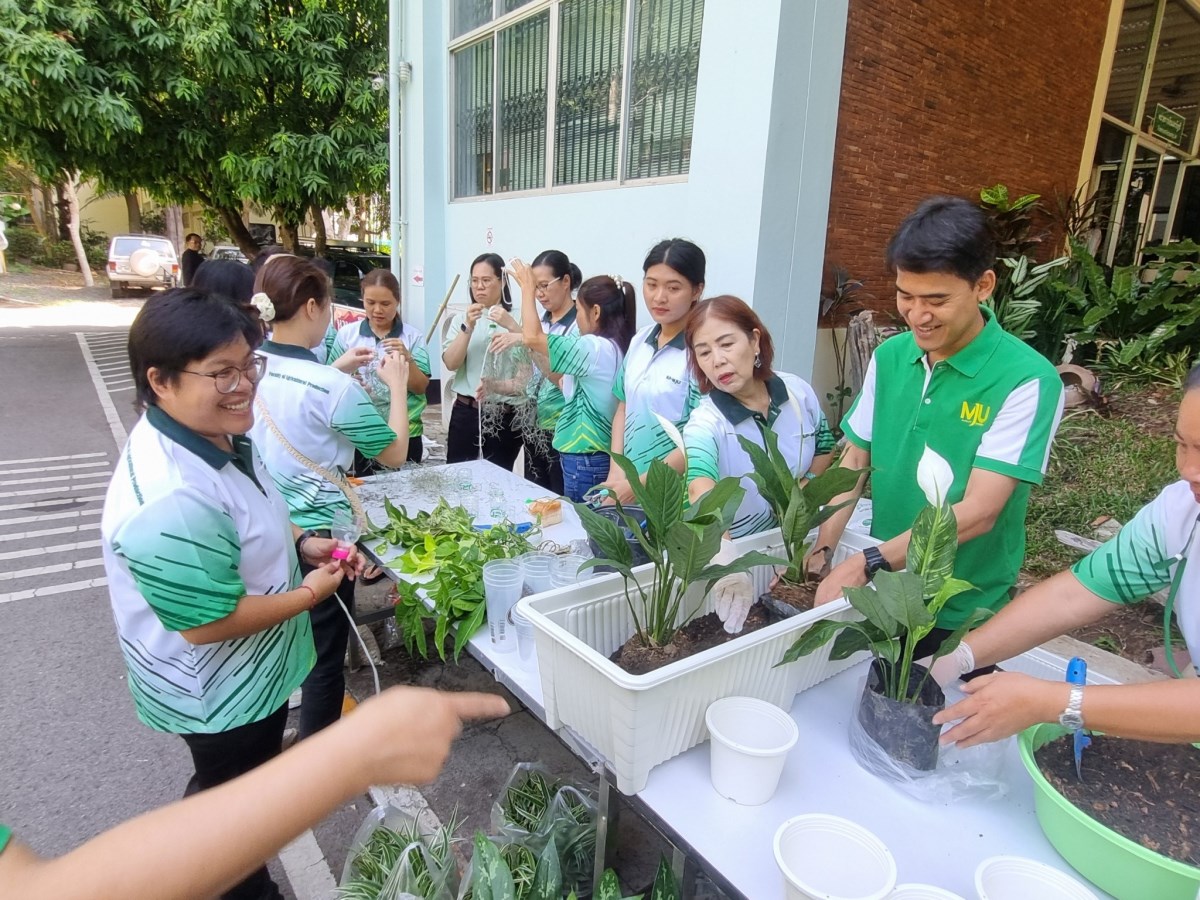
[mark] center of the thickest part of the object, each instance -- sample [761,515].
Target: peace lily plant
[680,540]
[900,608]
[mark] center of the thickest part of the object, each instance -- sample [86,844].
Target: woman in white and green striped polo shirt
[656,378]
[310,418]
[588,362]
[201,560]
[732,353]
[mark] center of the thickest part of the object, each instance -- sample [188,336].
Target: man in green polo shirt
[957,382]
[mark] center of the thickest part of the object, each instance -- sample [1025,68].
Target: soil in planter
[786,600]
[1147,792]
[696,636]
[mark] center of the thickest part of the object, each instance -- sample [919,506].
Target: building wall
[949,96]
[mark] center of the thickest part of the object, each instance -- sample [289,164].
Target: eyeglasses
[541,286]
[483,282]
[227,380]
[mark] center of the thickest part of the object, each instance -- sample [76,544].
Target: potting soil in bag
[956,774]
[508,389]
[391,858]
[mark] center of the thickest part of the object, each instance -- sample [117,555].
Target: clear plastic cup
[565,570]
[537,570]
[524,629]
[502,583]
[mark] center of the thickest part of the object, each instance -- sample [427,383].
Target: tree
[266,100]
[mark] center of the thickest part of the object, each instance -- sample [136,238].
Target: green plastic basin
[1122,867]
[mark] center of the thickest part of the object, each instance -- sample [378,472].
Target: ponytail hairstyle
[618,307]
[736,312]
[556,261]
[385,279]
[496,262]
[287,284]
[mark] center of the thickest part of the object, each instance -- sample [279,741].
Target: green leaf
[634,477]
[547,878]
[950,644]
[933,546]
[813,639]
[665,886]
[873,606]
[490,876]
[663,499]
[860,636]
[691,547]
[606,534]
[765,475]
[467,628]
[902,593]
[950,588]
[834,481]
[743,563]
[609,887]
[720,503]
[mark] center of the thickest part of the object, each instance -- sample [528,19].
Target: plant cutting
[899,609]
[681,542]
[799,507]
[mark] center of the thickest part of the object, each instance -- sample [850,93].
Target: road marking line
[57,478]
[38,459]
[57,548]
[42,504]
[24,520]
[87,465]
[306,869]
[128,387]
[110,411]
[50,590]
[48,532]
[111,384]
[37,492]
[51,570]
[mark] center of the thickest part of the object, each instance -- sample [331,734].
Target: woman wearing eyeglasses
[467,343]
[309,419]
[200,557]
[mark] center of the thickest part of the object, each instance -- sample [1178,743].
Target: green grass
[1098,467]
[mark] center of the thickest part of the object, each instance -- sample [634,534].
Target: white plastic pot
[1017,878]
[914,891]
[750,743]
[825,857]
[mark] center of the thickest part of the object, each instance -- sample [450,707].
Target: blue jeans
[582,472]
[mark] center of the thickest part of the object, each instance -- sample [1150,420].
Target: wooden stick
[441,309]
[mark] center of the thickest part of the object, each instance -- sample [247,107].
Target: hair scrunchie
[266,309]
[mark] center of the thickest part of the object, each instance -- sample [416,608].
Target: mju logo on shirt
[975,413]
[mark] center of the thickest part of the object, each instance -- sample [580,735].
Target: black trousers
[462,438]
[543,466]
[224,756]
[325,686]
[364,466]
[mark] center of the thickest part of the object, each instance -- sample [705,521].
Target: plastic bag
[390,858]
[971,773]
[509,389]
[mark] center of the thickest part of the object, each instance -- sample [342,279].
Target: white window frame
[491,30]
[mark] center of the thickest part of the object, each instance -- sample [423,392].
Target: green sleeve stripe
[570,354]
[701,459]
[1131,566]
[619,382]
[358,419]
[825,440]
[420,355]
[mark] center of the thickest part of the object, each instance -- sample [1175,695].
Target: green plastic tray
[1115,864]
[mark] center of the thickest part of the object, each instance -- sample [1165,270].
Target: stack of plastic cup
[502,582]
[524,629]
[537,570]
[565,570]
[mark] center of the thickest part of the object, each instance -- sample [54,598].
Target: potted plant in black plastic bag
[899,609]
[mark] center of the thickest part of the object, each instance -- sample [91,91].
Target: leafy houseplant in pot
[799,508]
[898,610]
[681,541]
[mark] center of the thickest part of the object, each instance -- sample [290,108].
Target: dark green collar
[566,321]
[971,359]
[677,342]
[242,456]
[736,412]
[289,350]
[394,332]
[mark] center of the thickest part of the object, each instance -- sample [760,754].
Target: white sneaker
[294,700]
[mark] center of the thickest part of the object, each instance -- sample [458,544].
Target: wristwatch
[1072,717]
[304,536]
[875,562]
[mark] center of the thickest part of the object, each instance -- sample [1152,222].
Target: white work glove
[953,666]
[733,593]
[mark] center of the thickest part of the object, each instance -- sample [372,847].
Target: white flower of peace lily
[672,432]
[266,309]
[935,477]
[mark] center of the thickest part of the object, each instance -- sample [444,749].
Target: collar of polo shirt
[395,331]
[677,342]
[241,456]
[736,412]
[971,359]
[289,350]
[566,321]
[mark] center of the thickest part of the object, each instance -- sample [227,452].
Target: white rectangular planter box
[638,721]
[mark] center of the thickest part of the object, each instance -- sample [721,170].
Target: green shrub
[23,243]
[57,254]
[95,246]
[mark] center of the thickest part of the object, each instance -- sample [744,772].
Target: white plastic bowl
[825,857]
[1017,878]
[750,743]
[914,891]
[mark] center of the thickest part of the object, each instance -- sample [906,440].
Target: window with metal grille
[572,92]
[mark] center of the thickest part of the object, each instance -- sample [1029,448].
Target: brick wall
[949,96]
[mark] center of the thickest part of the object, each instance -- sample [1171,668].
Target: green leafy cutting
[444,544]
